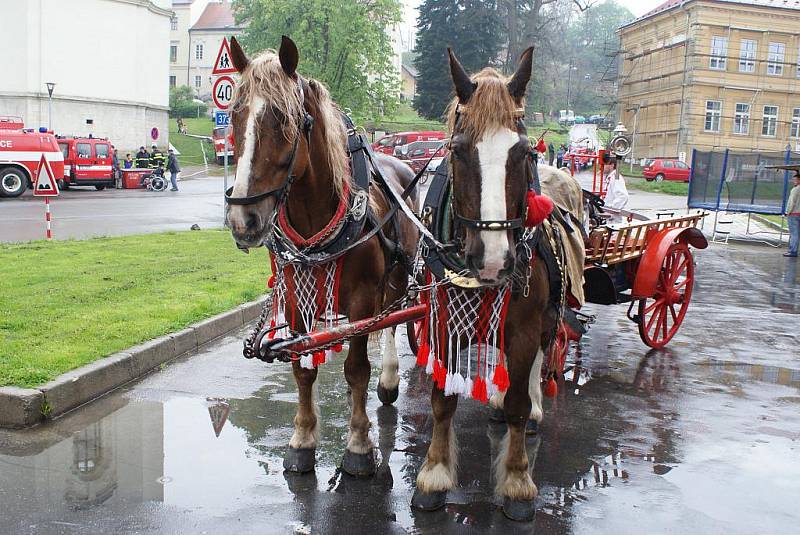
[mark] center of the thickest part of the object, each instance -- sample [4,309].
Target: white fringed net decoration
[462,325]
[305,298]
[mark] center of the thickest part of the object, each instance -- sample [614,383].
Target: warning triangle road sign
[45,185]
[224,65]
[219,415]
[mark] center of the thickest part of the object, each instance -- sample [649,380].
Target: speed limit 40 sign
[222,92]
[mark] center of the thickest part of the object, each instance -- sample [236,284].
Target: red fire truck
[218,137]
[21,151]
[87,162]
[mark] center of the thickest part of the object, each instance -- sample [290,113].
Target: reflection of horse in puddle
[365,503]
[595,429]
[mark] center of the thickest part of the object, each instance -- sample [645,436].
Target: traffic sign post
[222,92]
[45,186]
[221,118]
[223,64]
[222,95]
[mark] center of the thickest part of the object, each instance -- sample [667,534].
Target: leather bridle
[495,224]
[306,126]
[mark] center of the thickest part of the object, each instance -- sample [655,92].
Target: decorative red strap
[300,241]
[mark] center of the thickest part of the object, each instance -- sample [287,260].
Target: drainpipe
[683,82]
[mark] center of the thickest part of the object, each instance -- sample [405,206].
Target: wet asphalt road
[703,437]
[85,213]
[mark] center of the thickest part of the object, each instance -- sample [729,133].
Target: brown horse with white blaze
[272,112]
[490,177]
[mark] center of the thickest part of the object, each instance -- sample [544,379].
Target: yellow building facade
[711,75]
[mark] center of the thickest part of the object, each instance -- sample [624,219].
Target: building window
[173,23]
[775,59]
[198,51]
[713,115]
[719,51]
[769,125]
[747,56]
[741,119]
[198,81]
[795,123]
[172,81]
[173,53]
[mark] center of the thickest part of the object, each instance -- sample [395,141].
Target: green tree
[345,45]
[472,28]
[182,103]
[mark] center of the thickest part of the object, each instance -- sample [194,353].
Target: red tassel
[319,358]
[439,374]
[539,207]
[423,353]
[479,390]
[501,378]
[541,147]
[337,348]
[271,281]
[272,334]
[551,388]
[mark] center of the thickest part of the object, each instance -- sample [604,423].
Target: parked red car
[418,153]
[660,169]
[387,144]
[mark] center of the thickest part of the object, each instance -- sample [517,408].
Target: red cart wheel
[413,330]
[661,315]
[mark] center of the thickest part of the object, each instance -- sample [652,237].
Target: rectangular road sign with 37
[221,118]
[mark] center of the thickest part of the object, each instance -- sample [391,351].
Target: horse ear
[238,57]
[288,55]
[464,86]
[519,82]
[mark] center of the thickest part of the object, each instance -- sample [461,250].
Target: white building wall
[107,58]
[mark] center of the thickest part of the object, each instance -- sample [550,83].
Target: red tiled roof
[216,16]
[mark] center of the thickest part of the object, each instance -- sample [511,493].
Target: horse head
[276,116]
[489,148]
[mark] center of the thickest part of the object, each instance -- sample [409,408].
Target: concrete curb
[26,407]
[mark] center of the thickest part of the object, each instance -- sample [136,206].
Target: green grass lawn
[191,148]
[778,220]
[68,303]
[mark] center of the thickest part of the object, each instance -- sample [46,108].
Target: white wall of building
[107,58]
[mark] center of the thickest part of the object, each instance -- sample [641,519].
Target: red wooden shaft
[310,341]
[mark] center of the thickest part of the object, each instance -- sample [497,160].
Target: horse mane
[490,107]
[265,79]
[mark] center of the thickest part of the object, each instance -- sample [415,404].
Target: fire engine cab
[21,150]
[218,136]
[87,162]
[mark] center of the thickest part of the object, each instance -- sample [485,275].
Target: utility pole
[633,136]
[50,87]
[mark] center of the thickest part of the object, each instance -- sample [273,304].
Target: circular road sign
[222,92]
[154,133]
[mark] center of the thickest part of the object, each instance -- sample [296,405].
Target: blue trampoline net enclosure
[739,181]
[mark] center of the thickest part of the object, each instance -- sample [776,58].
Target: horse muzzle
[248,226]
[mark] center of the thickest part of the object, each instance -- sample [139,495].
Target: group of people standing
[556,155]
[154,160]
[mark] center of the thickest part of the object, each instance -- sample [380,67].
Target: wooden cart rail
[612,245]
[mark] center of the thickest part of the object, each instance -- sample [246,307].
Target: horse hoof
[497,415]
[519,510]
[532,427]
[299,460]
[359,464]
[429,502]
[387,396]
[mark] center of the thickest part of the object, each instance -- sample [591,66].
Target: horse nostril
[252,222]
[473,265]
